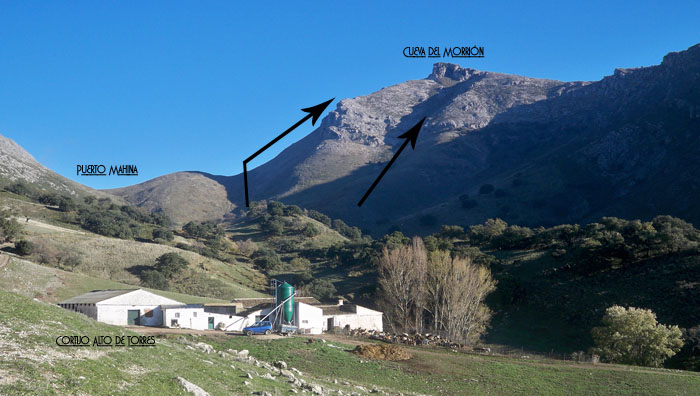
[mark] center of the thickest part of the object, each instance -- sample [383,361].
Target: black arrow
[412,136]
[314,111]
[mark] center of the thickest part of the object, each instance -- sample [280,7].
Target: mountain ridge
[549,151]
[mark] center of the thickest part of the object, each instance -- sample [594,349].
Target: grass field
[440,371]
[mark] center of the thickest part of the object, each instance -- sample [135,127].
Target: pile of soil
[383,352]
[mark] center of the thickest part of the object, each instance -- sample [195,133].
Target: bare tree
[402,273]
[466,287]
[439,265]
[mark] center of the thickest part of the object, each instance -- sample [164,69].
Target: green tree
[154,279]
[9,227]
[321,289]
[163,233]
[310,230]
[633,336]
[170,264]
[266,259]
[276,208]
[66,204]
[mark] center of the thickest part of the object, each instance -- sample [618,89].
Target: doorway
[211,323]
[132,317]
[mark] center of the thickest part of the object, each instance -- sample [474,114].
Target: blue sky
[173,86]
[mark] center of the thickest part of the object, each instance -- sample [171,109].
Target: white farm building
[120,307]
[140,307]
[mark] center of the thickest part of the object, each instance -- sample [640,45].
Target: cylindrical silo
[284,291]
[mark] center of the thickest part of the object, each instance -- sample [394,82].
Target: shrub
[318,216]
[9,227]
[300,263]
[632,336]
[267,263]
[321,289]
[266,259]
[170,264]
[275,208]
[66,204]
[154,279]
[292,210]
[24,247]
[274,227]
[310,230]
[163,233]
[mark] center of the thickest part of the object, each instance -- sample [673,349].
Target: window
[304,321]
[149,314]
[194,314]
[173,323]
[177,314]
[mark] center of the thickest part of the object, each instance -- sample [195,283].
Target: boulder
[191,388]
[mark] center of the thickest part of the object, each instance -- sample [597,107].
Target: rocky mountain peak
[456,73]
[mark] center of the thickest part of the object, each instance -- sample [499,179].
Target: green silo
[284,291]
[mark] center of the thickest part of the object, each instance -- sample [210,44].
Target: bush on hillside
[163,233]
[155,280]
[170,264]
[632,336]
[318,216]
[9,227]
[24,247]
[322,289]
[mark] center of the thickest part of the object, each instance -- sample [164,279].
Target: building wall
[194,317]
[85,309]
[115,310]
[308,319]
[364,318]
[118,314]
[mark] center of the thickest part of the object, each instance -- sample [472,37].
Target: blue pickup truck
[258,328]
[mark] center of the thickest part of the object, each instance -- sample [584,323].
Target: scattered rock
[243,353]
[295,371]
[249,375]
[280,364]
[246,383]
[316,389]
[204,347]
[269,376]
[192,388]
[262,393]
[287,373]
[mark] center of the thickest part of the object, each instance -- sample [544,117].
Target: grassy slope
[54,285]
[118,259]
[32,364]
